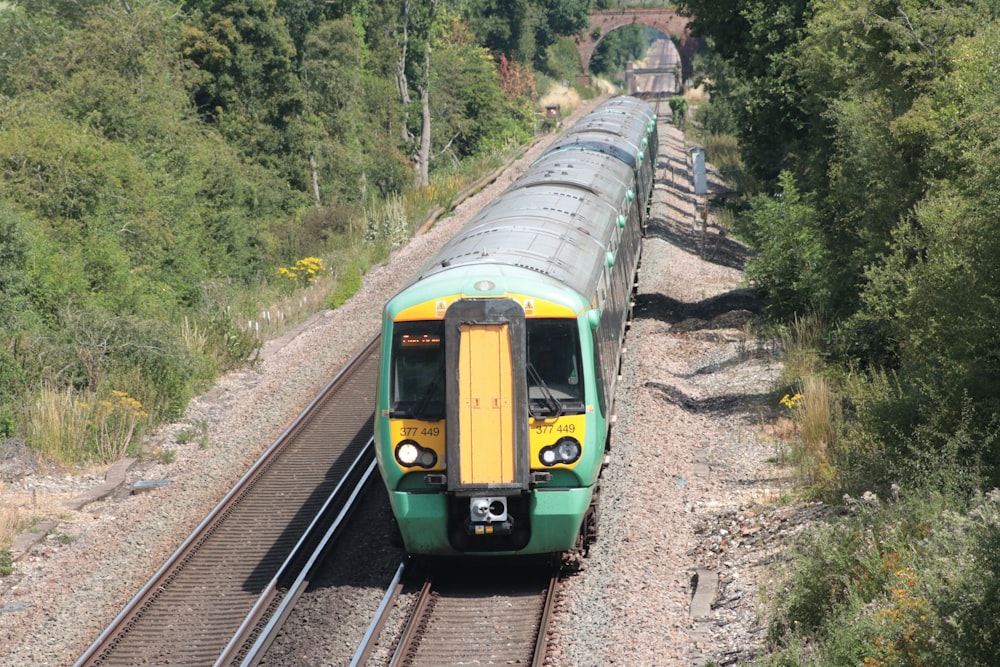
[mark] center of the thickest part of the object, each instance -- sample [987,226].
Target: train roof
[625,109]
[600,173]
[630,102]
[553,229]
[623,119]
[626,149]
[549,234]
[551,237]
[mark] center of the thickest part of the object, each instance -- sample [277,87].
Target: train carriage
[499,360]
[625,129]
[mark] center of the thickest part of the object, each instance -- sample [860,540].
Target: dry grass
[566,97]
[57,424]
[807,437]
[802,345]
[10,518]
[816,416]
[21,508]
[695,95]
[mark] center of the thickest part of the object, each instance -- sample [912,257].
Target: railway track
[488,612]
[230,582]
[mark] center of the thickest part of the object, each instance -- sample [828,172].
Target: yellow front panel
[486,413]
[545,432]
[426,434]
[436,308]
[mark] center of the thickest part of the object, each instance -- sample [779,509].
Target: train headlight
[566,451]
[428,458]
[409,454]
[569,450]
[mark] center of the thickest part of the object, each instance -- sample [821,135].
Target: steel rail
[248,645]
[367,645]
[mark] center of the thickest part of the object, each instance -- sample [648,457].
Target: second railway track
[193,607]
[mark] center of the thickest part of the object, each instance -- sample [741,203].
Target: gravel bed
[690,487]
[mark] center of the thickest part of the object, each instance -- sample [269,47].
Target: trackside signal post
[698,169]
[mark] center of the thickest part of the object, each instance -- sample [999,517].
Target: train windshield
[555,376]
[416,388]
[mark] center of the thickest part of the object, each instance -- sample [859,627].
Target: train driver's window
[554,370]
[417,382]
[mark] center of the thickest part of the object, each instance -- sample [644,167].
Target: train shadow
[731,309]
[297,528]
[735,309]
[728,404]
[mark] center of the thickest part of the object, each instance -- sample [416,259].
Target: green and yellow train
[499,360]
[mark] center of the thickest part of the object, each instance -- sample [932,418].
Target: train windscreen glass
[417,382]
[555,376]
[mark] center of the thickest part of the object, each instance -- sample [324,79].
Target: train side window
[555,375]
[417,371]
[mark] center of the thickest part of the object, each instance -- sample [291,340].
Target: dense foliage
[878,118]
[871,129]
[160,162]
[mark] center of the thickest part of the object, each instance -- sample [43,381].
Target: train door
[485,349]
[486,419]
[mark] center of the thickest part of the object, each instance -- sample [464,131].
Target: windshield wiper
[419,411]
[551,402]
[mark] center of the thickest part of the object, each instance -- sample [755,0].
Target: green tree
[472,115]
[561,18]
[618,47]
[505,26]
[756,39]
[938,291]
[247,85]
[562,60]
[332,74]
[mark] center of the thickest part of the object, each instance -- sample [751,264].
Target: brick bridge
[664,19]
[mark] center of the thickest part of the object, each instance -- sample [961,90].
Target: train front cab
[498,450]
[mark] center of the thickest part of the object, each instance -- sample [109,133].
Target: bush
[790,266]
[723,151]
[716,118]
[6,562]
[349,279]
[679,107]
[911,580]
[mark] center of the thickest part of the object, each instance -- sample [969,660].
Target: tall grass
[816,419]
[802,343]
[723,152]
[10,522]
[58,424]
[387,223]
[813,403]
[68,427]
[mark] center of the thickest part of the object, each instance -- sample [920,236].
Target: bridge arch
[665,19]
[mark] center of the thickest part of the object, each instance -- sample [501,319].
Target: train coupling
[488,509]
